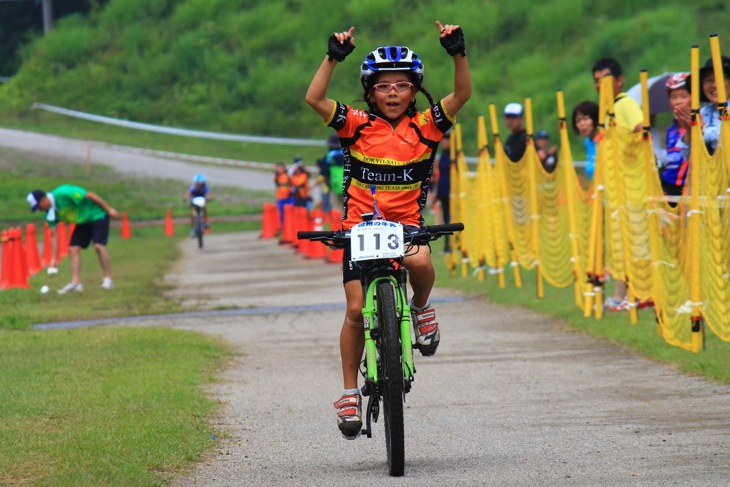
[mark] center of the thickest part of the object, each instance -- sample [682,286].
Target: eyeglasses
[400,87]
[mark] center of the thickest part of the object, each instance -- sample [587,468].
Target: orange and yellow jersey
[283,187]
[300,180]
[397,161]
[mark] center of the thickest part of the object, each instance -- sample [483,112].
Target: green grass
[641,338]
[104,407]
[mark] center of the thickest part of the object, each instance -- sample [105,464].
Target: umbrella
[658,98]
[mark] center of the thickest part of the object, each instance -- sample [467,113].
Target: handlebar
[419,236]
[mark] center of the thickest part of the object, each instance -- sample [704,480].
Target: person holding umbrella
[709,113]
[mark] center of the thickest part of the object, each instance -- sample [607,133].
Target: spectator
[90,213]
[585,123]
[298,161]
[548,154]
[627,111]
[443,188]
[628,115]
[299,181]
[283,189]
[516,143]
[674,172]
[709,113]
[335,165]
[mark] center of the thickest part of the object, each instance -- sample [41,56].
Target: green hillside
[243,65]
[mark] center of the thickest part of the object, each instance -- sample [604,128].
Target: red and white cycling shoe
[349,420]
[426,329]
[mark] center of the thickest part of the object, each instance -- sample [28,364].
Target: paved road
[511,398]
[121,159]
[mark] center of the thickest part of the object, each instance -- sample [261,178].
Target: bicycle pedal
[350,438]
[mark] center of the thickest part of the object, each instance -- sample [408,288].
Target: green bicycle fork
[403,310]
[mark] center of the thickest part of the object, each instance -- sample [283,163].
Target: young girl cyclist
[391,146]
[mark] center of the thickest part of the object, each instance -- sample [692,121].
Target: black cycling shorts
[349,271]
[96,231]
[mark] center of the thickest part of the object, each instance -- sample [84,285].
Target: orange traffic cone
[47,248]
[289,232]
[126,231]
[62,248]
[31,250]
[5,267]
[335,217]
[18,267]
[303,223]
[269,221]
[169,227]
[316,250]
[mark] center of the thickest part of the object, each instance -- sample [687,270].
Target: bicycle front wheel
[391,378]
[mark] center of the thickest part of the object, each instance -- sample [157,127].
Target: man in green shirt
[90,213]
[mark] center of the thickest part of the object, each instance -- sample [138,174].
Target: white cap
[513,109]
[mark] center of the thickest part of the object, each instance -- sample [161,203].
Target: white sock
[416,308]
[348,392]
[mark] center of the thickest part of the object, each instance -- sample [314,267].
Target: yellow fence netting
[519,216]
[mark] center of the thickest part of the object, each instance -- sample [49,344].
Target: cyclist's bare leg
[103,255]
[74,254]
[421,275]
[352,340]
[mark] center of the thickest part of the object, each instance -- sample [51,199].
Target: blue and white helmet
[391,58]
[199,178]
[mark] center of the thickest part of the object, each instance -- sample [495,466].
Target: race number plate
[376,239]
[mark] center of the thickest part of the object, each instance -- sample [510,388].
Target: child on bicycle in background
[391,145]
[198,188]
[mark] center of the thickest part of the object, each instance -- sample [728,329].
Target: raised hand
[452,38]
[683,115]
[340,44]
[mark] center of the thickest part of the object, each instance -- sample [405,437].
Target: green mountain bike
[378,248]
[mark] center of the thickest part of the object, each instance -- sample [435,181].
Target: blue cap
[35,197]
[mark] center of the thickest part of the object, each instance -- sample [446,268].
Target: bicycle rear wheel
[391,378]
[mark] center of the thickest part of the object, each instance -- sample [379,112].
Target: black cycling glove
[338,51]
[454,43]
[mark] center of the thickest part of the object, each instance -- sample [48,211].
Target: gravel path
[511,398]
